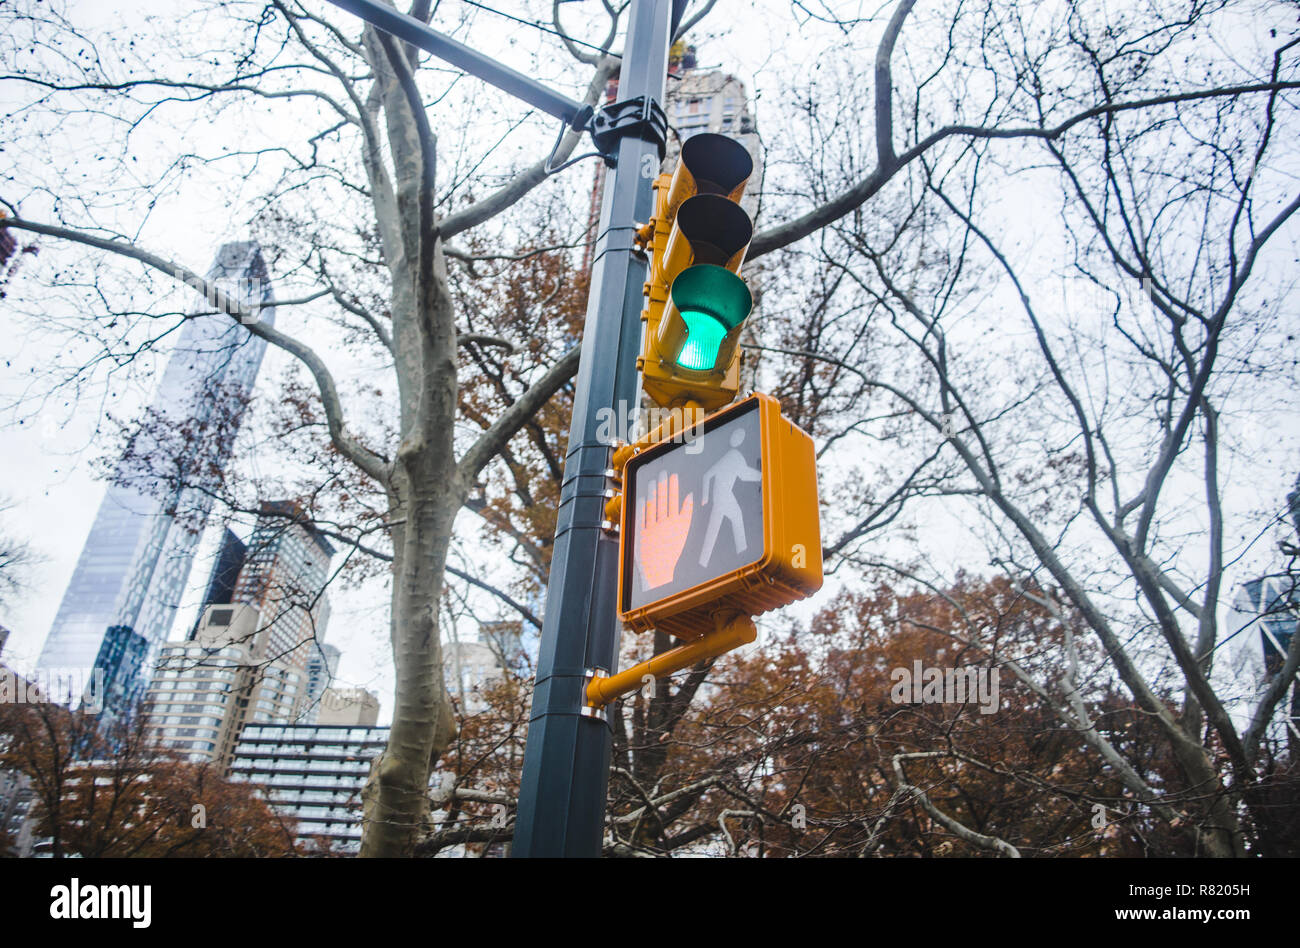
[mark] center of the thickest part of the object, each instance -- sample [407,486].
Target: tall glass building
[1270,601]
[247,660]
[136,562]
[121,675]
[284,575]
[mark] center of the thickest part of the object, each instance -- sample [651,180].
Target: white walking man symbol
[723,476]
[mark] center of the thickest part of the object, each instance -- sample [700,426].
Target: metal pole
[566,762]
[425,37]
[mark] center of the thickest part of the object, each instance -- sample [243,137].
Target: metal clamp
[641,116]
[587,711]
[614,478]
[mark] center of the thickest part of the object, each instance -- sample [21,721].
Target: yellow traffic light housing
[719,520]
[696,301]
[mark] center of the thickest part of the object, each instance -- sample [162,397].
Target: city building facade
[322,666]
[1262,622]
[246,662]
[1270,605]
[16,825]
[204,691]
[470,666]
[313,775]
[136,561]
[473,664]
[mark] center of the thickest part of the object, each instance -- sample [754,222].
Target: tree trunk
[396,799]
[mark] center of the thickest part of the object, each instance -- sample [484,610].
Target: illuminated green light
[703,336]
[712,301]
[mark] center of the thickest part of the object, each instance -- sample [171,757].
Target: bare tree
[17,558]
[1085,381]
[369,101]
[364,217]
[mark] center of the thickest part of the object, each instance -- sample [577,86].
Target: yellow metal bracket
[685,415]
[730,631]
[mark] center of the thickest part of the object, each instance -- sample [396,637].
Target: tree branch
[515,417]
[784,234]
[369,462]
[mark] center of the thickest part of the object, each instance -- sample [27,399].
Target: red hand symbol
[661,529]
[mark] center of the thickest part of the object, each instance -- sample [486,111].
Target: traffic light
[697,302]
[719,523]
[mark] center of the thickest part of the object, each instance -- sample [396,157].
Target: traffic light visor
[710,164]
[712,301]
[718,164]
[708,229]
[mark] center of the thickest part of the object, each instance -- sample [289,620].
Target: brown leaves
[805,731]
[107,793]
[537,304]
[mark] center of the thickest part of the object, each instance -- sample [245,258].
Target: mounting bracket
[642,117]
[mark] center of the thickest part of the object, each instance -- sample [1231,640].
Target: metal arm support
[727,634]
[408,28]
[642,116]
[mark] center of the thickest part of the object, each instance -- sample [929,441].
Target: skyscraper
[225,573]
[1262,622]
[322,666]
[246,661]
[284,576]
[1266,607]
[135,564]
[119,676]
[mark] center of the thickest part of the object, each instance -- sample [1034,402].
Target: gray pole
[566,763]
[423,36]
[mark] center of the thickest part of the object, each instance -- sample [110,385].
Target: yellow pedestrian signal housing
[697,302]
[719,520]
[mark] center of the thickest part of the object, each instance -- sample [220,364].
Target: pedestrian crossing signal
[719,519]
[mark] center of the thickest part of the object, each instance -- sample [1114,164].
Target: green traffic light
[712,301]
[703,336]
